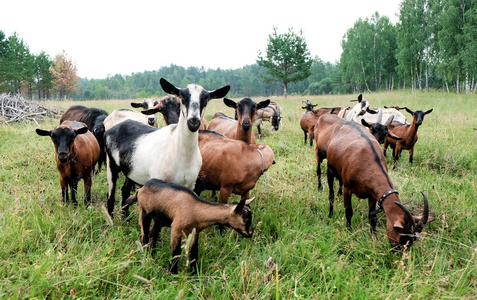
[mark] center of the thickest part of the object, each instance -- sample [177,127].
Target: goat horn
[425,214]
[408,214]
[380,116]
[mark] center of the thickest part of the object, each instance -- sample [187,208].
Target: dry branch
[14,108]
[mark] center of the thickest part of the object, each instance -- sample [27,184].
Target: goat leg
[348,207]
[194,255]
[372,214]
[331,196]
[74,188]
[176,250]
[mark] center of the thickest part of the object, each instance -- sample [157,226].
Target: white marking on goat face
[193,101]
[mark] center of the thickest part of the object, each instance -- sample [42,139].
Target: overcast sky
[122,37]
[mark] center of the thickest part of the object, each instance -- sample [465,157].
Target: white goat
[170,153]
[119,115]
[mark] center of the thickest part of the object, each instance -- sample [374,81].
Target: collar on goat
[73,159]
[380,201]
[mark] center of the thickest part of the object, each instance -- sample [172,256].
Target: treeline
[433,46]
[245,81]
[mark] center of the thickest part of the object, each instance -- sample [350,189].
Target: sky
[105,37]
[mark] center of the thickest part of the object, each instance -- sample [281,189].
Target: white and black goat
[170,153]
[175,206]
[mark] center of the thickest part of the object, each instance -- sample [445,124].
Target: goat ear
[394,137]
[398,226]
[408,110]
[248,201]
[371,111]
[81,130]
[240,206]
[150,111]
[429,111]
[360,97]
[169,87]
[263,104]
[136,105]
[366,124]
[230,103]
[43,132]
[219,93]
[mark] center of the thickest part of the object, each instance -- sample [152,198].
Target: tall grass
[52,250]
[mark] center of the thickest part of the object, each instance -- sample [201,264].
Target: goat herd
[175,163]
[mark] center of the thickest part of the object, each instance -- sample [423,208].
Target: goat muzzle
[193,124]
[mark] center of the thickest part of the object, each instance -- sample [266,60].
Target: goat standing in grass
[272,113]
[310,117]
[76,153]
[170,153]
[240,129]
[355,158]
[175,206]
[408,134]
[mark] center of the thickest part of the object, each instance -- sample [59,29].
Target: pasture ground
[52,250]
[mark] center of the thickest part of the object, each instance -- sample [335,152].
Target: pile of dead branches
[13,108]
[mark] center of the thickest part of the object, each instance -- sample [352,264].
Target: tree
[287,58]
[43,75]
[64,74]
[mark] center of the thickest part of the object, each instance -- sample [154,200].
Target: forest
[432,46]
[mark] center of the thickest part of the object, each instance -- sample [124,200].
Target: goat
[146,105]
[380,130]
[310,116]
[272,113]
[348,144]
[170,153]
[408,133]
[358,110]
[239,129]
[76,153]
[322,136]
[220,155]
[119,115]
[93,118]
[387,112]
[175,206]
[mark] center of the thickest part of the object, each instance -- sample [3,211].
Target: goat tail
[131,200]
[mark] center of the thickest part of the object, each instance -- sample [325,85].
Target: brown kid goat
[77,151]
[240,129]
[230,166]
[348,145]
[310,116]
[175,206]
[408,134]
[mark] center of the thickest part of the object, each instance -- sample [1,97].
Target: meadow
[49,250]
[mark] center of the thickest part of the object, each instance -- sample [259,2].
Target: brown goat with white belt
[175,206]
[355,158]
[77,152]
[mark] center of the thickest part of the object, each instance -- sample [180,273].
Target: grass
[52,250]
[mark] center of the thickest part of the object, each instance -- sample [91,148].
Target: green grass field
[51,250]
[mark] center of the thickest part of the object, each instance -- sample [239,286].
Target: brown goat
[349,144]
[240,129]
[310,117]
[230,166]
[76,153]
[408,134]
[175,206]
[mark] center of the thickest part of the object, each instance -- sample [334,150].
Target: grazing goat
[175,206]
[240,129]
[310,116]
[76,153]
[170,153]
[93,118]
[347,145]
[220,155]
[272,113]
[408,133]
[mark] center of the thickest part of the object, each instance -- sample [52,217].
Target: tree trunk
[285,89]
